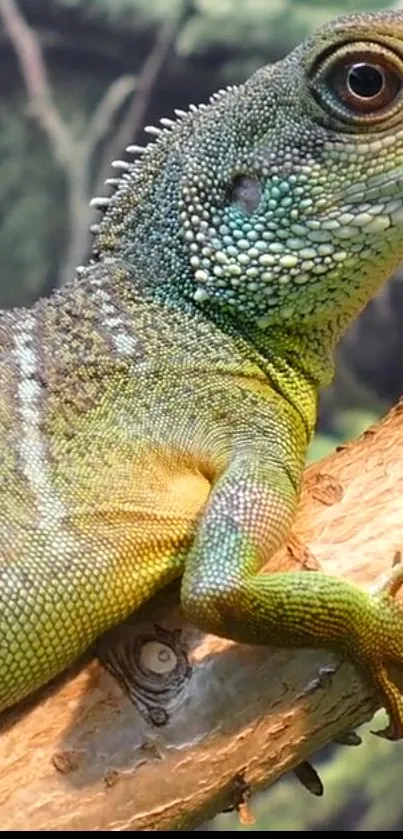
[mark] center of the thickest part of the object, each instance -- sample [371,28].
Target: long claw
[393,583]
[387,733]
[309,778]
[391,732]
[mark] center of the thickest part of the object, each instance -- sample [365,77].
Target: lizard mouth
[384,185]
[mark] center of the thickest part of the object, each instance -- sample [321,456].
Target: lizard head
[281,200]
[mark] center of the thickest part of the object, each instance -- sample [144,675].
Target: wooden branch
[74,154]
[136,111]
[174,725]
[34,73]
[104,114]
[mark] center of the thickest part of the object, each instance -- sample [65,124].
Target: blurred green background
[78,81]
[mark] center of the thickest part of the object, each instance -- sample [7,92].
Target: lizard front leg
[248,515]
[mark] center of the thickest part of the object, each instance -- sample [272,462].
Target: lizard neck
[117,327]
[296,363]
[215,341]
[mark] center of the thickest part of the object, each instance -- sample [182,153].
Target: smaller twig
[102,118]
[34,72]
[136,111]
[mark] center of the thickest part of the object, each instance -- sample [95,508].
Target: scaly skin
[156,412]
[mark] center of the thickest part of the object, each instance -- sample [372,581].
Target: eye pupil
[365,80]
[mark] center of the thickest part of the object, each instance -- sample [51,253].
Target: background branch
[133,119]
[74,154]
[105,113]
[34,72]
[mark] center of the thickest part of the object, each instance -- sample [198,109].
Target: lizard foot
[392,625]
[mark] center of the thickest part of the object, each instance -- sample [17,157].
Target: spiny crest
[126,169]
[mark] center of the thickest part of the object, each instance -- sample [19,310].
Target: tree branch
[135,114]
[74,154]
[168,726]
[103,116]
[34,72]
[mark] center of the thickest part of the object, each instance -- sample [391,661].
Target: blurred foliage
[347,425]
[268,26]
[255,25]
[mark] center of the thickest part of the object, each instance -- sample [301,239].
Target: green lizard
[156,412]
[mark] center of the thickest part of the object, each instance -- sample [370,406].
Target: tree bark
[166,726]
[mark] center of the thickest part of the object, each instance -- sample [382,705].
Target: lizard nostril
[245,193]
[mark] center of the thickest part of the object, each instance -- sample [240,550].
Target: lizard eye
[366,85]
[362,84]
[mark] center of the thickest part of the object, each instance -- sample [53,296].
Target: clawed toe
[391,732]
[394,581]
[393,704]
